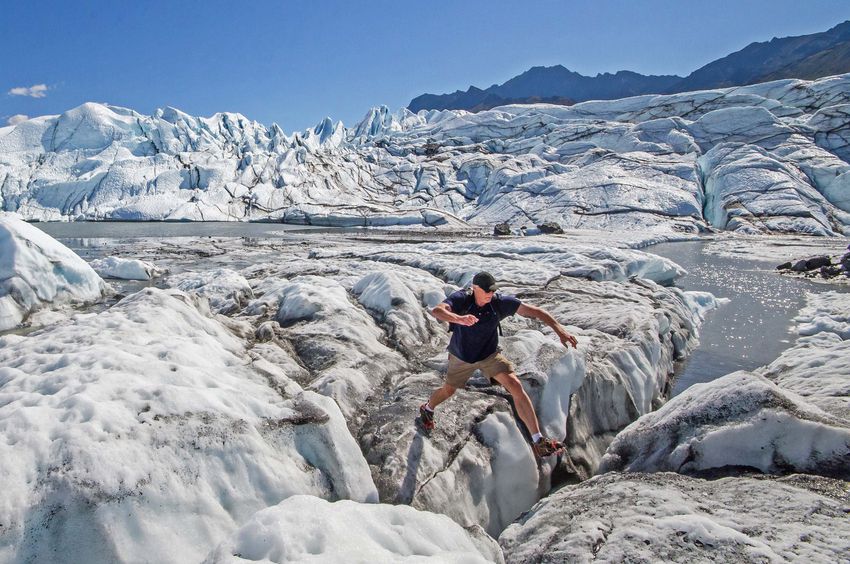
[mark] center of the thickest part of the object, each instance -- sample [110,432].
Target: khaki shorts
[459,371]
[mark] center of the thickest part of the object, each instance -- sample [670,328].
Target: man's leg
[440,395]
[426,410]
[457,373]
[522,402]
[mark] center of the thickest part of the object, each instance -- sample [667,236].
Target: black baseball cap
[485,281]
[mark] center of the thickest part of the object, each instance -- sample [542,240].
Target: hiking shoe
[547,447]
[426,418]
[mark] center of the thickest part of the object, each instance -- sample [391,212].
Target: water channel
[757,323]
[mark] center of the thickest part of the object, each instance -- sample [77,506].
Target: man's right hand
[466,320]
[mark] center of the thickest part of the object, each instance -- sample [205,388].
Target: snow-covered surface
[789,417]
[147,433]
[818,366]
[309,529]
[769,157]
[775,250]
[277,367]
[524,261]
[36,270]
[668,517]
[309,383]
[125,269]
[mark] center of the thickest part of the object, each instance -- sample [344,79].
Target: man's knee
[448,389]
[511,383]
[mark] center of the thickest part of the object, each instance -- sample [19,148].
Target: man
[844,262]
[474,322]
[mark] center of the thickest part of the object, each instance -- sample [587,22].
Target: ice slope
[36,271]
[668,517]
[305,528]
[767,158]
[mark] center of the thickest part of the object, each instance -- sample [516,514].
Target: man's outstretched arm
[535,312]
[444,313]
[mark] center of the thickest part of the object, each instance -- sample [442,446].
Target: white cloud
[16,119]
[34,91]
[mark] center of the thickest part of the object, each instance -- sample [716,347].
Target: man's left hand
[567,340]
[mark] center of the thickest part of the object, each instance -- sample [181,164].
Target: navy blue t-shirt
[477,342]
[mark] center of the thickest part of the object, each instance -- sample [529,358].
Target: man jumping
[473,319]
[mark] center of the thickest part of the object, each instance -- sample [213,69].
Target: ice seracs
[36,271]
[764,158]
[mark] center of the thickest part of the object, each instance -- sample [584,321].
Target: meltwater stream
[757,323]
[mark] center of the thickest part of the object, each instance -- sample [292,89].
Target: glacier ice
[763,158]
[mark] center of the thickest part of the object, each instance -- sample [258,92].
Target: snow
[355,328]
[791,415]
[226,289]
[818,366]
[775,250]
[126,269]
[352,361]
[786,418]
[768,158]
[37,271]
[530,261]
[309,529]
[147,432]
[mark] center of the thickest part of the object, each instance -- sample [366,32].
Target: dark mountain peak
[843,28]
[540,71]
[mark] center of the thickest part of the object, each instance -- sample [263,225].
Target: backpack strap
[496,313]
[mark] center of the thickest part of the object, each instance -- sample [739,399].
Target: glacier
[767,158]
[245,382]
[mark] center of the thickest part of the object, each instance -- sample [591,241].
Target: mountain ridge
[807,57]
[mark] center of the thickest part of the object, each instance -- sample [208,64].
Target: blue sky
[294,63]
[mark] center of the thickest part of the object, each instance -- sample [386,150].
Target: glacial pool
[757,323]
